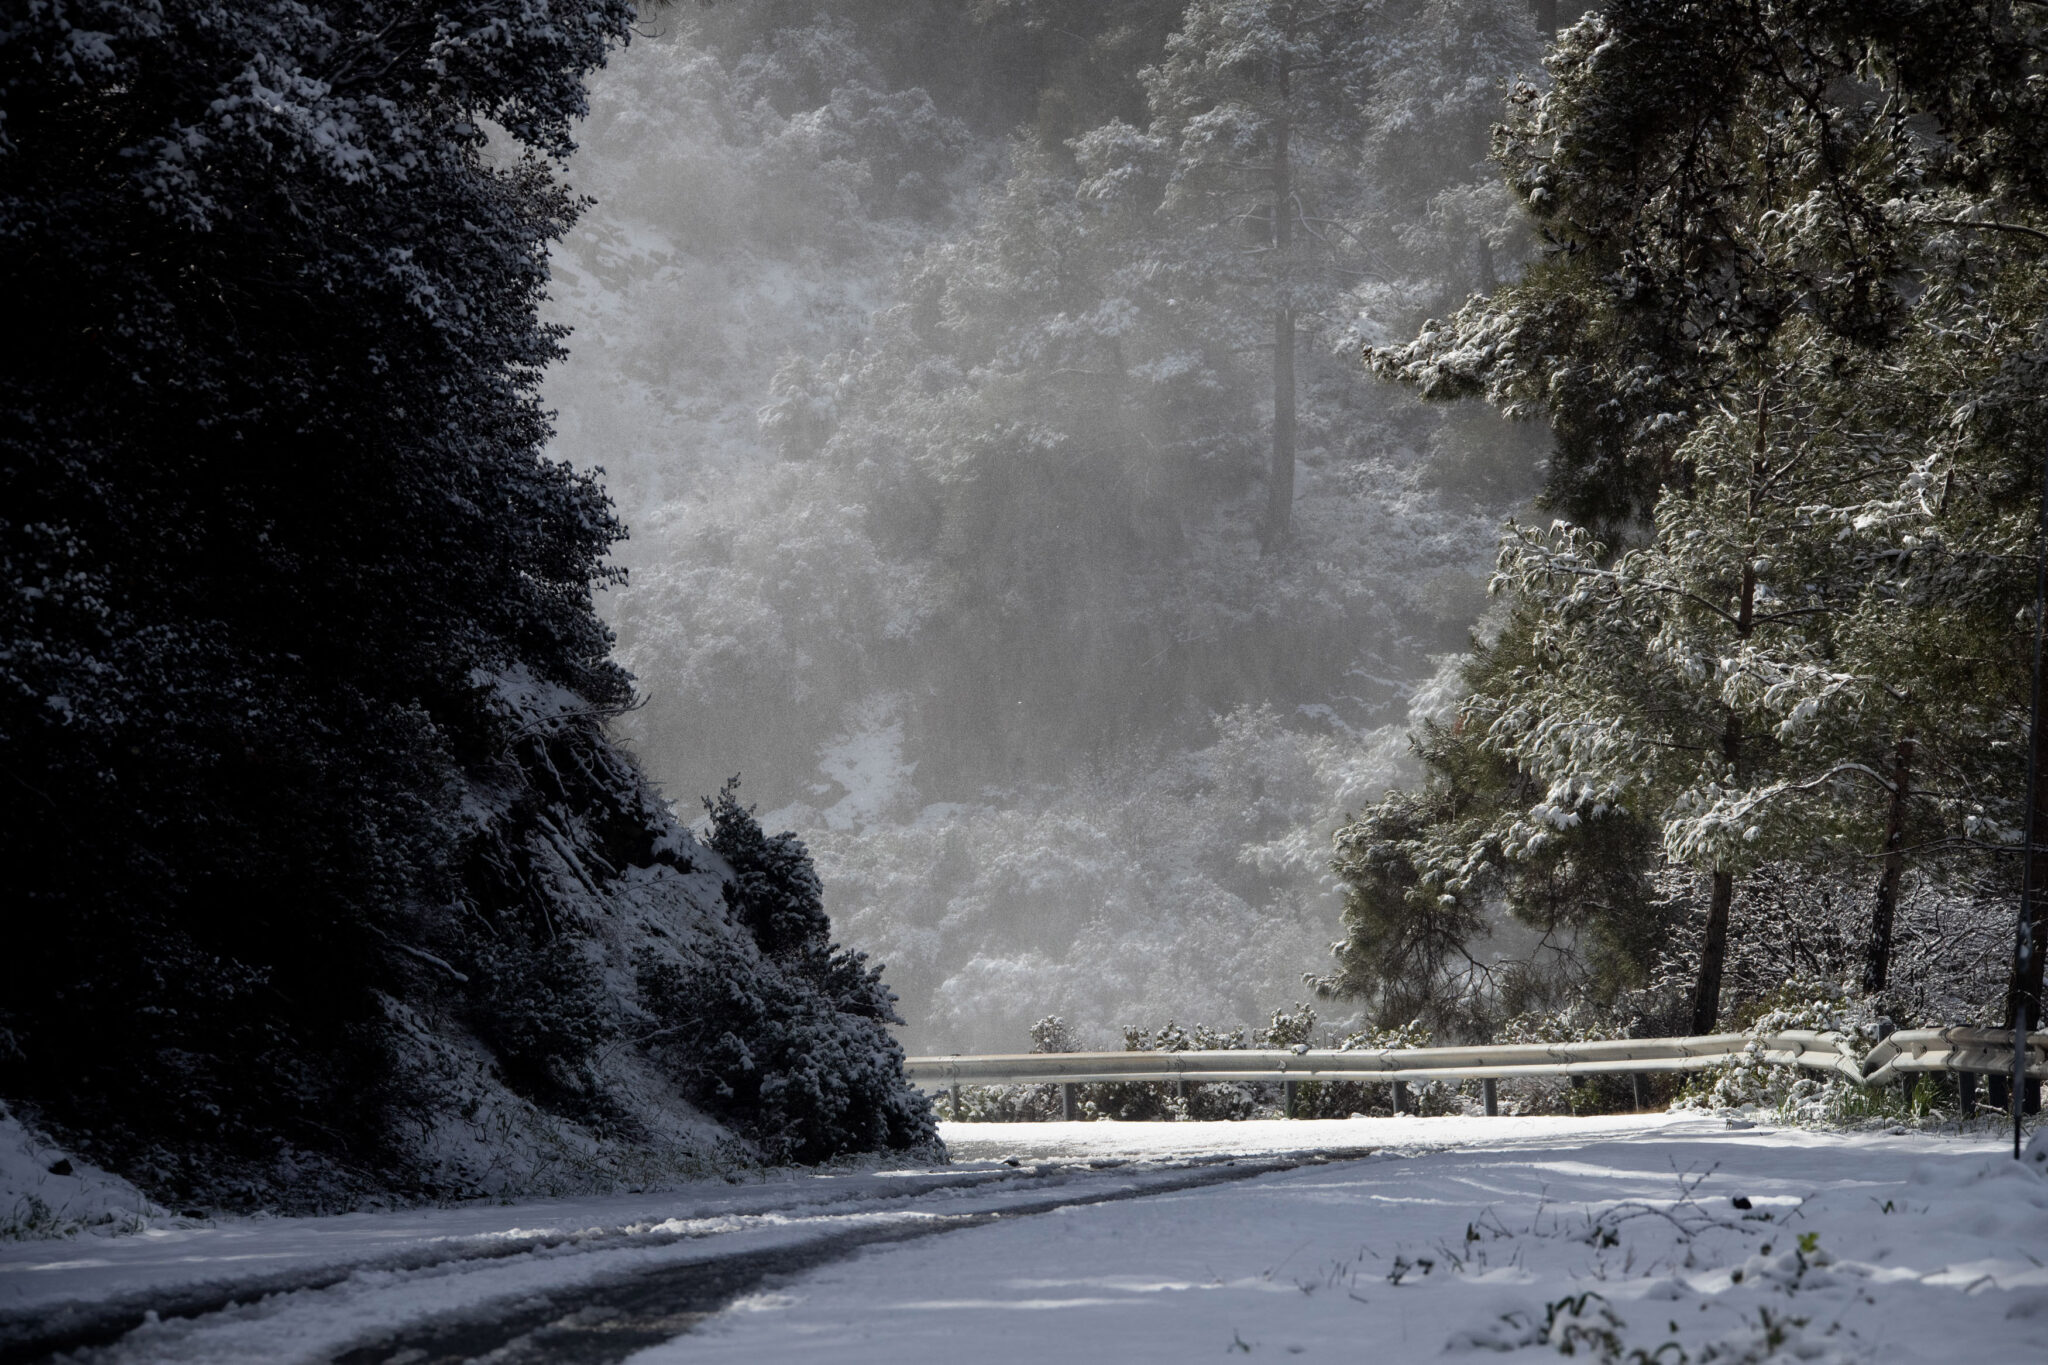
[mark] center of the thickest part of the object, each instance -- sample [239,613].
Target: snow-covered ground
[1679,1238]
[1676,1236]
[47,1192]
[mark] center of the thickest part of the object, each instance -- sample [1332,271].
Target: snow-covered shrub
[543,1008]
[1004,1104]
[788,1042]
[765,1050]
[1575,1021]
[1794,1094]
[1336,1099]
[1051,1034]
[1154,1101]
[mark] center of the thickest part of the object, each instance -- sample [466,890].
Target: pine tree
[1769,315]
[1257,111]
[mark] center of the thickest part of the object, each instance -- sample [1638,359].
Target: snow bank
[1167,1141]
[47,1192]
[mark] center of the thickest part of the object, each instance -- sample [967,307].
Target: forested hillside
[980,383]
[324,878]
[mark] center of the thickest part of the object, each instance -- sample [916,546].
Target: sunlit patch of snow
[868,765]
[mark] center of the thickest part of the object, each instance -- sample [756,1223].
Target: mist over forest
[929,353]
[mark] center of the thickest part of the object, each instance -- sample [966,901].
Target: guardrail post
[1635,1080]
[1966,1091]
[1070,1105]
[1400,1097]
[1490,1097]
[1287,1097]
[2001,1090]
[954,1095]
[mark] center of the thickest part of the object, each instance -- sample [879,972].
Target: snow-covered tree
[310,815]
[1255,113]
[1778,617]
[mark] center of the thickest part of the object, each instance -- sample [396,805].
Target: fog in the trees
[933,354]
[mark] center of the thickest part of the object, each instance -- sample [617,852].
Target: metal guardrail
[1903,1054]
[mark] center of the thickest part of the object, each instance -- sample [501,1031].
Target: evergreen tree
[301,689]
[274,511]
[1254,99]
[1767,331]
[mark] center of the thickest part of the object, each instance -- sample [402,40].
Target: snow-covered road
[1680,1239]
[1677,1237]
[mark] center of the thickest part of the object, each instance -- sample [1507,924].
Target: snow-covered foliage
[1803,1003]
[1217,1101]
[326,880]
[1783,616]
[948,520]
[792,1050]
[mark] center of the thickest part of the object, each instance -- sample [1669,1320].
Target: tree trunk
[1280,476]
[1706,996]
[1877,957]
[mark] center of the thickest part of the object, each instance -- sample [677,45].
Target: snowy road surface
[1672,1236]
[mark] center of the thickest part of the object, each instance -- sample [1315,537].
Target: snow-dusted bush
[1794,1094]
[1170,1101]
[543,1009]
[788,1043]
[805,1075]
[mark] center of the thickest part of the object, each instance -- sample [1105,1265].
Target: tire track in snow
[603,1323]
